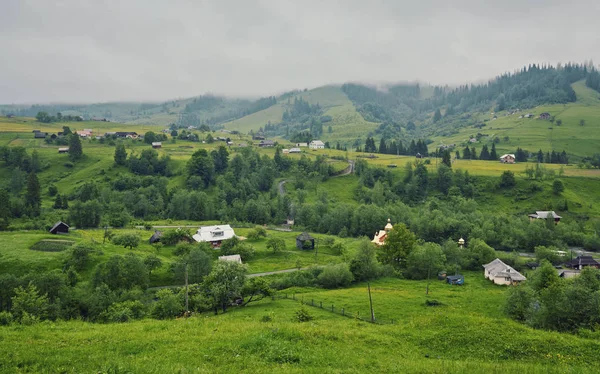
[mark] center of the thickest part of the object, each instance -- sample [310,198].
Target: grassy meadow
[533,134]
[467,333]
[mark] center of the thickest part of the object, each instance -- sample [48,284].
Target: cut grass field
[466,334]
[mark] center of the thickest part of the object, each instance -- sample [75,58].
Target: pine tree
[493,154]
[485,153]
[33,198]
[57,202]
[446,159]
[467,153]
[437,116]
[540,156]
[120,155]
[473,153]
[412,148]
[5,214]
[75,149]
[382,146]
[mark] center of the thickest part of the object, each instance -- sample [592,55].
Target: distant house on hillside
[122,134]
[305,241]
[99,119]
[266,143]
[214,234]
[316,144]
[285,151]
[500,273]
[59,228]
[545,116]
[583,261]
[84,133]
[295,150]
[258,137]
[231,258]
[543,214]
[508,158]
[155,238]
[156,144]
[40,135]
[301,144]
[63,150]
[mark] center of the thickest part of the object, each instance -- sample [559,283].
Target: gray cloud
[84,51]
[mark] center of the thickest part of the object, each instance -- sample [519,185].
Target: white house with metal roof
[500,273]
[214,234]
[316,144]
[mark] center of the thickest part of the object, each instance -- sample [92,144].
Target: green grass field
[466,334]
[534,134]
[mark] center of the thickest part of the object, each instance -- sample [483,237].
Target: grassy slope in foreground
[449,338]
[535,134]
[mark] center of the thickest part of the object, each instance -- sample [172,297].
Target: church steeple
[389,226]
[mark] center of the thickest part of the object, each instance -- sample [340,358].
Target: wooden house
[543,214]
[305,241]
[59,228]
[508,158]
[545,116]
[214,234]
[155,238]
[581,262]
[156,145]
[63,150]
[231,258]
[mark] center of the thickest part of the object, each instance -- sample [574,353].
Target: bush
[335,276]
[302,315]
[167,306]
[125,311]
[302,278]
[171,237]
[51,245]
[507,179]
[257,233]
[182,249]
[68,164]
[433,303]
[265,318]
[127,240]
[52,190]
[6,318]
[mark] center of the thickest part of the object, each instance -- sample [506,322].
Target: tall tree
[485,153]
[437,116]
[467,153]
[75,148]
[398,244]
[5,214]
[120,155]
[224,284]
[493,154]
[446,158]
[382,146]
[33,197]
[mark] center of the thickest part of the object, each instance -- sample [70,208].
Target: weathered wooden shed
[305,241]
[60,228]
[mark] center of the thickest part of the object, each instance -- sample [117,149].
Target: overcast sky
[90,51]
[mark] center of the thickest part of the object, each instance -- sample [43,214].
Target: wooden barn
[305,241]
[60,228]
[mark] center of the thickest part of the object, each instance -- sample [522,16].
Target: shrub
[171,237]
[182,249]
[433,303]
[302,315]
[257,233]
[6,318]
[335,276]
[127,240]
[52,190]
[167,306]
[51,245]
[507,179]
[68,164]
[265,318]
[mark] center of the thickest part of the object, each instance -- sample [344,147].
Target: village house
[258,137]
[214,234]
[156,145]
[155,238]
[544,215]
[305,241]
[580,262]
[63,150]
[301,144]
[266,143]
[231,258]
[285,151]
[381,235]
[295,150]
[316,144]
[39,135]
[59,228]
[500,273]
[508,158]
[84,133]
[545,116]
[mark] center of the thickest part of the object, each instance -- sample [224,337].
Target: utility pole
[187,306]
[371,303]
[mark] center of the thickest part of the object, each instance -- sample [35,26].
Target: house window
[217,233]
[507,279]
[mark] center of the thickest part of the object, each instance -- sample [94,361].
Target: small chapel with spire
[380,236]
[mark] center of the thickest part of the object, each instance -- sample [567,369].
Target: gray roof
[544,214]
[57,224]
[497,268]
[304,236]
